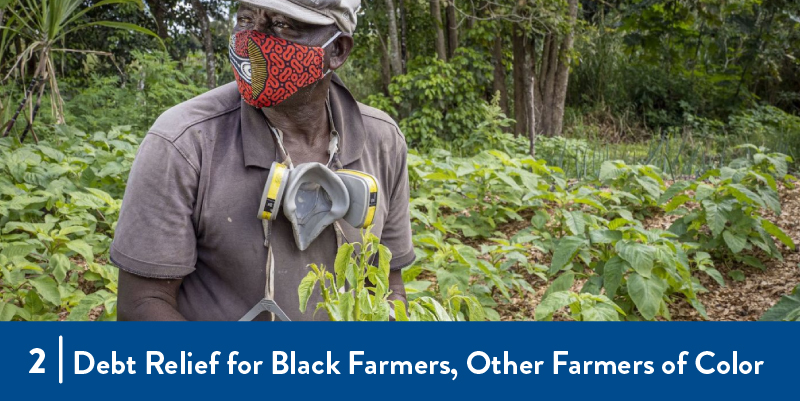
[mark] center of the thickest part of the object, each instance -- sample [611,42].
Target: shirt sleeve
[396,233]
[155,234]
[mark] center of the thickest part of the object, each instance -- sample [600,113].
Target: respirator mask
[312,196]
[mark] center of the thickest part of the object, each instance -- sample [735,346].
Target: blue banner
[594,361]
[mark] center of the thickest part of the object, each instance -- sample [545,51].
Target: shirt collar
[258,144]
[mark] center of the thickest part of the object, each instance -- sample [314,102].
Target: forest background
[505,99]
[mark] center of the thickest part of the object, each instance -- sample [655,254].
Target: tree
[160,9]
[452,28]
[556,109]
[499,79]
[520,73]
[436,15]
[44,25]
[208,43]
[394,42]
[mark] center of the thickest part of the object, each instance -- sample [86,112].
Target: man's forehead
[271,14]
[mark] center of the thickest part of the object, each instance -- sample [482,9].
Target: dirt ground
[737,300]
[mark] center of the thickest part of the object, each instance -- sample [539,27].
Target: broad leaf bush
[59,203]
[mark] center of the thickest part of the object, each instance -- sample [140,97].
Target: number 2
[36,368]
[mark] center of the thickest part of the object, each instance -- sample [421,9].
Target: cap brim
[293,11]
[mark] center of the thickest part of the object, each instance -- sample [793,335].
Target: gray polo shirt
[193,195]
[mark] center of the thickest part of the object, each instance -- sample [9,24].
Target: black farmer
[190,241]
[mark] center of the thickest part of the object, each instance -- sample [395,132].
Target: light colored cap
[317,12]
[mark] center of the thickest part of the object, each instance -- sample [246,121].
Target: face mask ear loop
[326,45]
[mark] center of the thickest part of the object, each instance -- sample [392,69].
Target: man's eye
[280,24]
[245,20]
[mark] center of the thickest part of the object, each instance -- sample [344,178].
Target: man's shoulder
[379,125]
[214,104]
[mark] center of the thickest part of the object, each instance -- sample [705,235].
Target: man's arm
[397,286]
[143,298]
[155,235]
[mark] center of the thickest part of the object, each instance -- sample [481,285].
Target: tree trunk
[499,82]
[208,43]
[386,68]
[436,14]
[452,28]
[532,113]
[548,39]
[549,87]
[394,42]
[403,35]
[535,99]
[158,9]
[520,86]
[562,75]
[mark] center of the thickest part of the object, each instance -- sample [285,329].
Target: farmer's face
[251,18]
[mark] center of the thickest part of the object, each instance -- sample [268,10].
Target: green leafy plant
[583,307]
[728,217]
[787,308]
[59,202]
[44,25]
[641,185]
[359,291]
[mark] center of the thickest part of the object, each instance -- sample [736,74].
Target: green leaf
[639,256]
[776,232]
[753,261]
[736,275]
[703,191]
[346,307]
[384,258]
[609,170]
[646,294]
[567,249]
[676,202]
[400,314]
[8,311]
[47,288]
[745,195]
[604,236]
[81,247]
[551,305]
[540,219]
[340,264]
[454,275]
[59,266]
[716,275]
[17,250]
[787,308]
[771,199]
[613,272]
[122,26]
[599,312]
[305,289]
[714,216]
[674,189]
[563,283]
[89,302]
[575,222]
[735,242]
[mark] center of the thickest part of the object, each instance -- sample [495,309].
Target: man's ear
[339,50]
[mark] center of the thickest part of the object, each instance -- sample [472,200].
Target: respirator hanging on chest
[313,197]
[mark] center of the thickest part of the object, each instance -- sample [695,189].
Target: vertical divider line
[60,359]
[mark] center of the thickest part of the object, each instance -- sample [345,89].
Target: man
[188,243]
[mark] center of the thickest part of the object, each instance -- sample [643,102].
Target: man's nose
[262,23]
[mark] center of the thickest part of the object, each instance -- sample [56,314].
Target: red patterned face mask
[269,69]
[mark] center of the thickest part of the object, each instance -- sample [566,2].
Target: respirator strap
[267,304]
